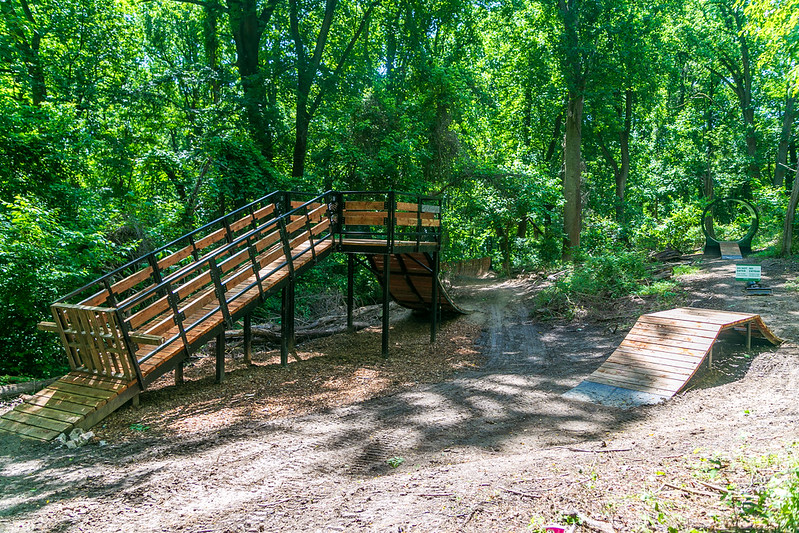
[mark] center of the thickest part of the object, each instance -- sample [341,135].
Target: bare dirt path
[490,449]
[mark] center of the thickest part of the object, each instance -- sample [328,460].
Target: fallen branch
[520,493]
[690,491]
[608,450]
[602,450]
[589,522]
[272,334]
[278,502]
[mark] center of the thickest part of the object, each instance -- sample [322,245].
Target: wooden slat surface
[412,286]
[730,250]
[664,350]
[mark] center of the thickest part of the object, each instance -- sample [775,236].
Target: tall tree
[576,62]
[308,63]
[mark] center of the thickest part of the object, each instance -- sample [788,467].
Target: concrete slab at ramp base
[588,391]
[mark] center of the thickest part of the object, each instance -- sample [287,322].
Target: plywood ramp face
[76,400]
[661,353]
[730,250]
[411,281]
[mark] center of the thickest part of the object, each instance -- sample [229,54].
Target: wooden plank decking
[664,350]
[76,400]
[730,250]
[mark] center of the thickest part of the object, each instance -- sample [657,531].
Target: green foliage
[782,500]
[41,258]
[681,230]
[10,380]
[395,462]
[192,111]
[601,277]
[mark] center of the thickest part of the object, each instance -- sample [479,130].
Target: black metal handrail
[218,280]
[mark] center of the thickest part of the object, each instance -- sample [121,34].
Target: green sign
[747,272]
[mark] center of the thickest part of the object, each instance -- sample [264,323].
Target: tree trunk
[781,166]
[28,49]
[247,26]
[302,124]
[707,178]
[624,146]
[572,175]
[787,230]
[556,139]
[575,76]
[307,68]
[743,89]
[211,44]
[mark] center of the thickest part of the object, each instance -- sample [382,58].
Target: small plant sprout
[395,461]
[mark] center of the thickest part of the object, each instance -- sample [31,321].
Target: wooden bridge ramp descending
[132,326]
[662,352]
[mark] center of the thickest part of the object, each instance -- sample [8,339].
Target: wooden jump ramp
[132,326]
[662,352]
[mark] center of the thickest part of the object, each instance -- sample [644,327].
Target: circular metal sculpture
[712,242]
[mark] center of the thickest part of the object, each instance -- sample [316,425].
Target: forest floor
[468,434]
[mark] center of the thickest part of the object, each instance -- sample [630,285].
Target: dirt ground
[468,434]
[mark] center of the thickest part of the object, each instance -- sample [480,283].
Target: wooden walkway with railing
[130,327]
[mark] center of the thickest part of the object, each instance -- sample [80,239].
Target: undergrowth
[759,493]
[598,280]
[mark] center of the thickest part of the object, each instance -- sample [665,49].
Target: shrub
[40,260]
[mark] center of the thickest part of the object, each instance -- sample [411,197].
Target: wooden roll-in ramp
[662,352]
[411,281]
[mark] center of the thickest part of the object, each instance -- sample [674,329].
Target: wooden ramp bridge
[662,352]
[130,327]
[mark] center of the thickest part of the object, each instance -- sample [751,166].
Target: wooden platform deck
[75,400]
[664,350]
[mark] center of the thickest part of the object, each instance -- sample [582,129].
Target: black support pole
[350,290]
[284,334]
[248,339]
[435,307]
[287,343]
[292,341]
[179,373]
[220,356]
[386,298]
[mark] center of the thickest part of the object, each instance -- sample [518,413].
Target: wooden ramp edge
[661,353]
[730,250]
[77,400]
[410,282]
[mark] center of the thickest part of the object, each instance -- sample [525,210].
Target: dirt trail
[492,449]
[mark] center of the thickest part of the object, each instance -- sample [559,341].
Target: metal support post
[386,298]
[350,290]
[220,356]
[248,339]
[435,307]
[748,336]
[287,344]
